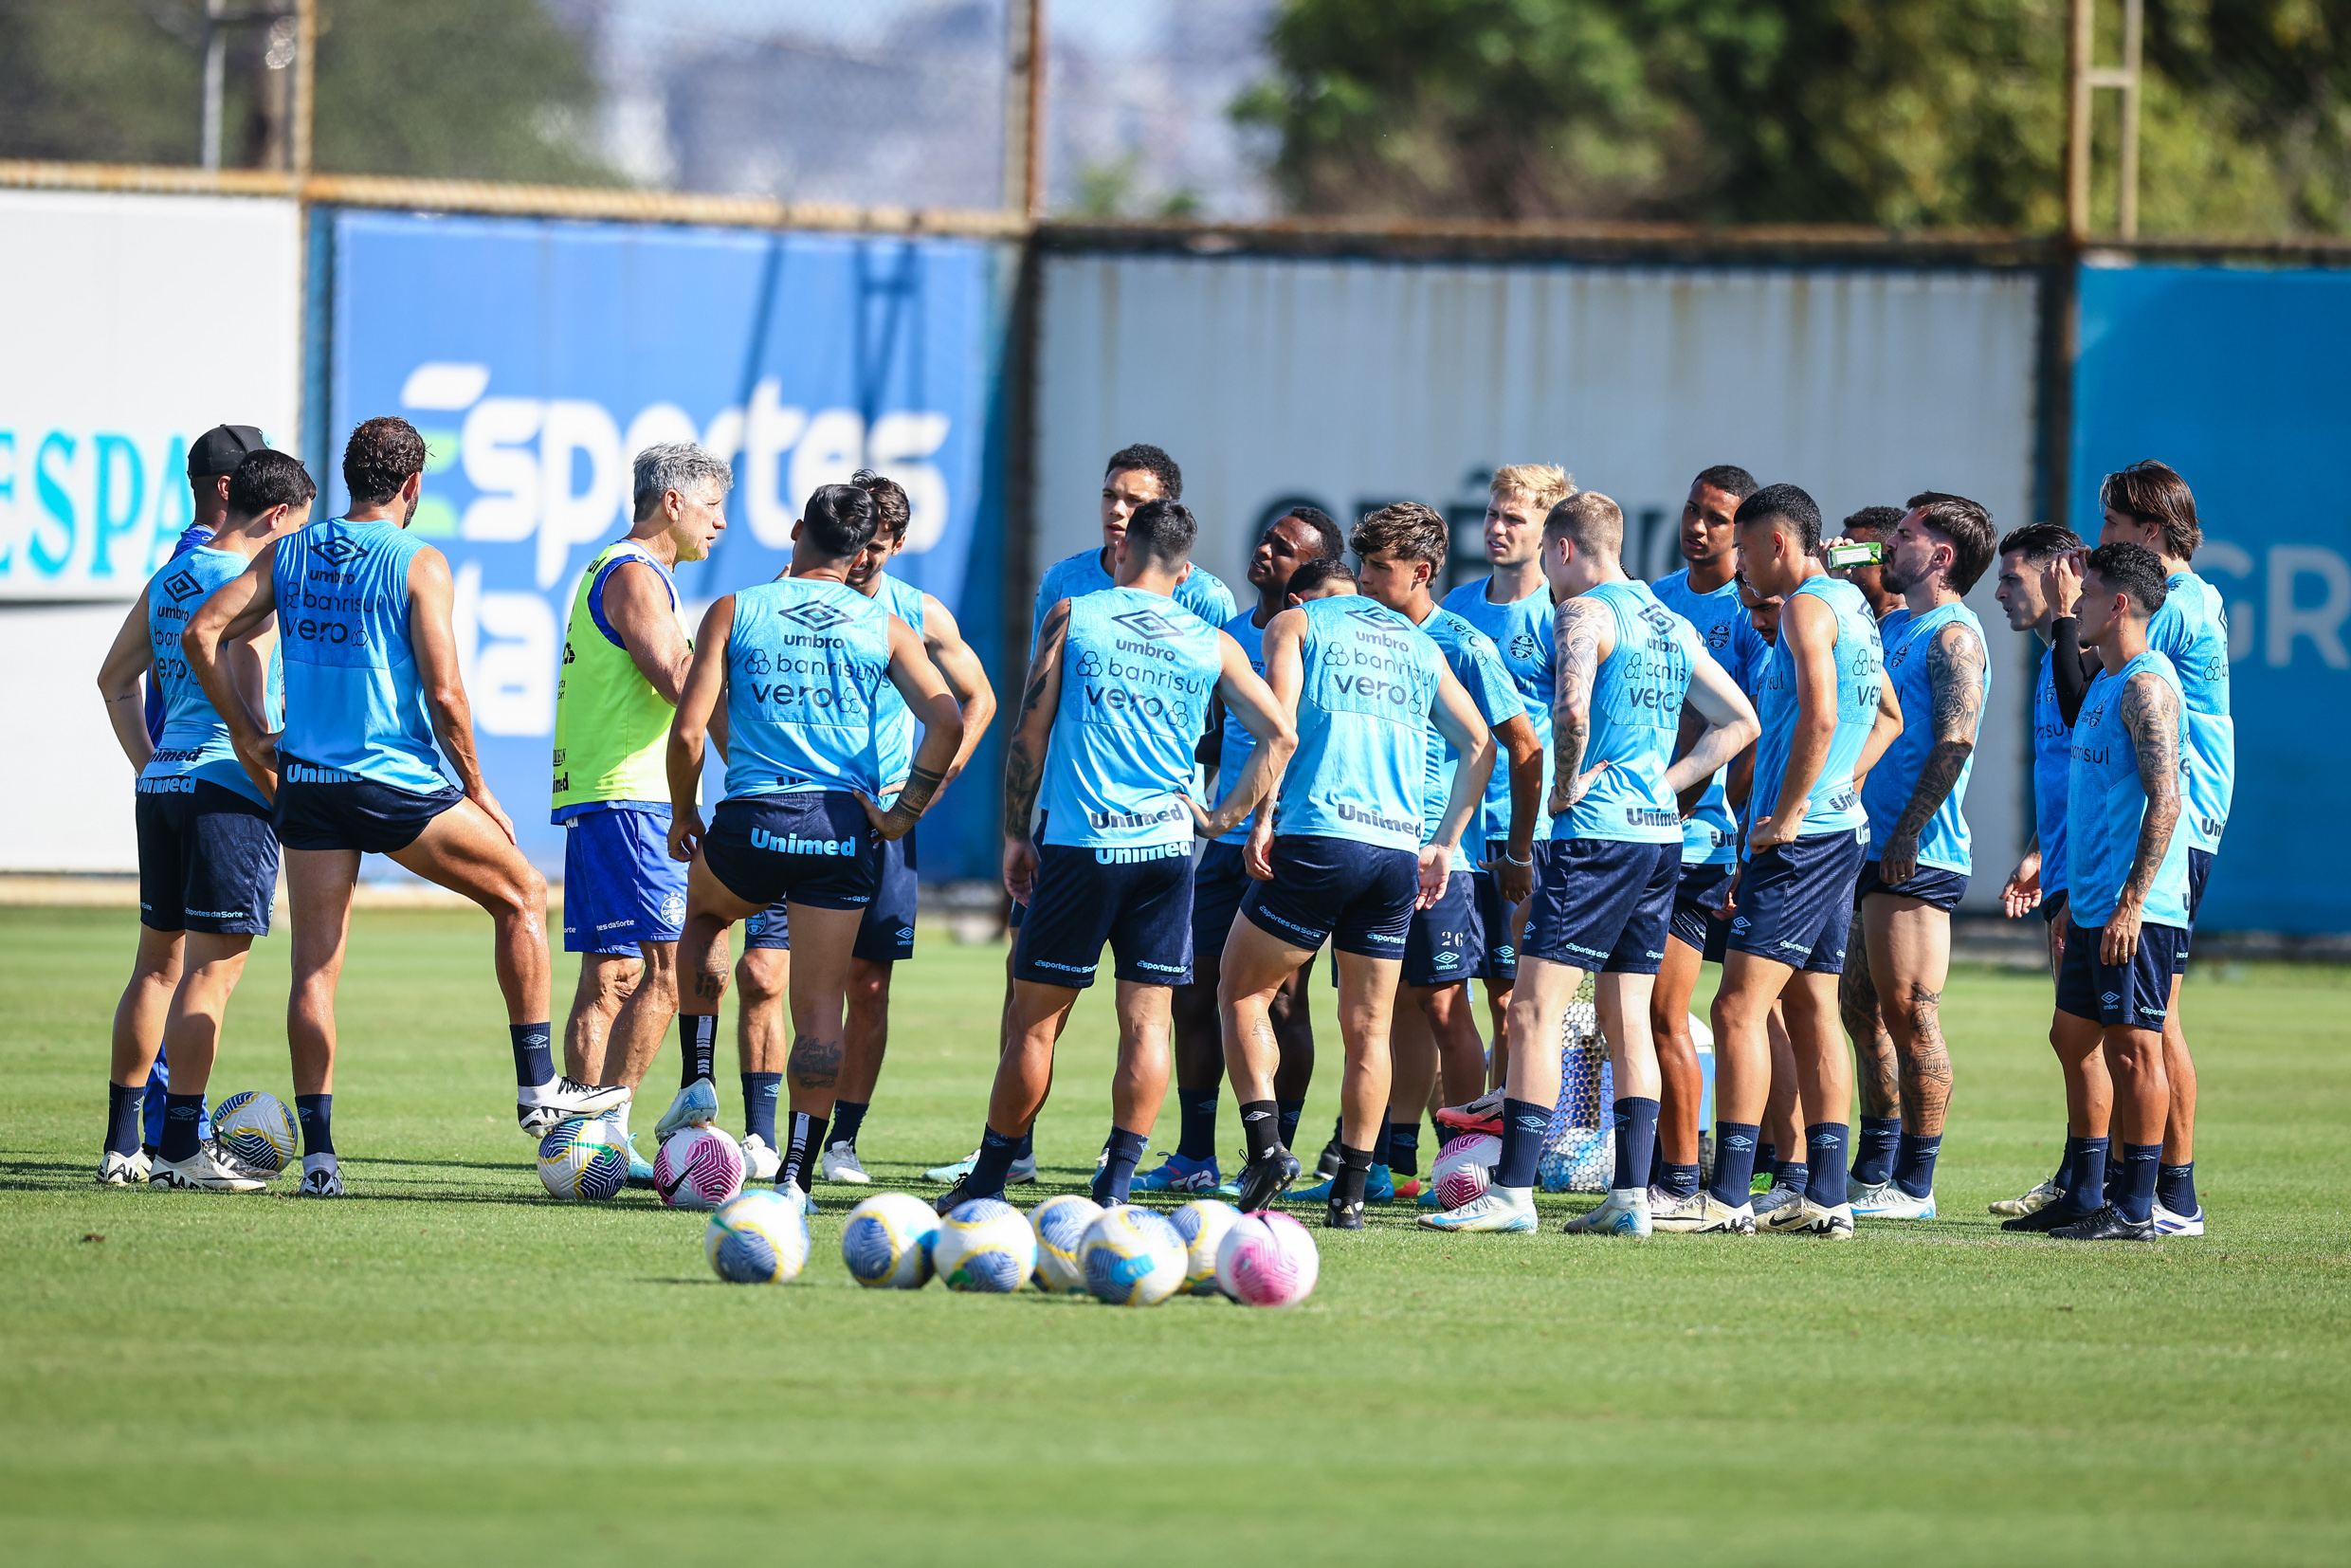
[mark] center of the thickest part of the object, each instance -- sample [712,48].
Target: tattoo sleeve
[1024,751]
[1955,687]
[2150,713]
[1574,665]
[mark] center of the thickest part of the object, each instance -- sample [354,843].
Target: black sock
[316,1112]
[997,1152]
[1875,1149]
[1826,1182]
[1734,1162]
[1290,1111]
[1338,1129]
[183,1113]
[1383,1151]
[1354,1169]
[849,1119]
[1198,1138]
[1524,1126]
[2175,1189]
[1636,1139]
[1111,1182]
[1404,1147]
[123,1109]
[808,1137]
[1261,1125]
[534,1058]
[700,1036]
[760,1090]
[1767,1153]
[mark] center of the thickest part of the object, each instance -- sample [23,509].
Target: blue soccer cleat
[697,1105]
[1197,1178]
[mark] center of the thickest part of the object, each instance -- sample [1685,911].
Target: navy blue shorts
[1359,897]
[2136,994]
[815,848]
[2199,871]
[620,887]
[1697,897]
[1140,907]
[1219,882]
[1796,902]
[1929,884]
[886,933]
[207,859]
[352,813]
[1447,941]
[1603,905]
[1501,948]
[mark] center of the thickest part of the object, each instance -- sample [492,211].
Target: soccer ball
[1202,1222]
[1464,1167]
[1061,1224]
[257,1128]
[985,1247]
[1268,1259]
[1132,1257]
[583,1159]
[699,1168]
[887,1242]
[761,1238]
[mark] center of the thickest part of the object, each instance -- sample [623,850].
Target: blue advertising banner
[539,357]
[2236,378]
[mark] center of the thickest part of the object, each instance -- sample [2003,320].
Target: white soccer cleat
[2169,1224]
[760,1163]
[1024,1171]
[1623,1213]
[1888,1201]
[697,1105]
[839,1163]
[540,1109]
[1806,1219]
[243,1167]
[1704,1214]
[323,1179]
[201,1171]
[1501,1210]
[2032,1202]
[129,1170]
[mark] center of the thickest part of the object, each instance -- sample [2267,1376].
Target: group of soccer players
[1557,772]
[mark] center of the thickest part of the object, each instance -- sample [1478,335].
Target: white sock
[318,1162]
[618,1116]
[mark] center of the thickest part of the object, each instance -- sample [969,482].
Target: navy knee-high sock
[1197,1138]
[1824,1146]
[760,1094]
[125,1107]
[1523,1124]
[1734,1162]
[1637,1142]
[1875,1149]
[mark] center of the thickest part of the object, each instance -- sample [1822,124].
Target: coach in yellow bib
[626,651]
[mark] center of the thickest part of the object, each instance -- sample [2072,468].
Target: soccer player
[1302,535]
[1116,704]
[208,860]
[372,683]
[2126,903]
[1705,593]
[2149,505]
[625,650]
[1919,859]
[886,933]
[1871,525]
[1339,858]
[1604,888]
[1512,606]
[799,663]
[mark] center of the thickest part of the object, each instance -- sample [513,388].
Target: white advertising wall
[129,325]
[1358,383]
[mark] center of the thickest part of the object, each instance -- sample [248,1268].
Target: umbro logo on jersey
[337,552]
[815,614]
[1363,610]
[1152,624]
[180,584]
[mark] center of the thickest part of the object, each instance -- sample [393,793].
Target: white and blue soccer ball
[986,1247]
[583,1159]
[257,1128]
[1133,1257]
[1202,1222]
[759,1238]
[887,1242]
[1061,1224]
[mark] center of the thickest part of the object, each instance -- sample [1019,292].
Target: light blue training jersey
[1136,677]
[355,708]
[1362,767]
[1236,742]
[1908,639]
[1710,833]
[1521,633]
[894,723]
[1477,664]
[193,743]
[2052,764]
[1202,592]
[2192,630]
[1835,805]
[2106,803]
[1635,717]
[806,661]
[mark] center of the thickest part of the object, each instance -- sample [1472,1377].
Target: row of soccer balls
[1125,1255]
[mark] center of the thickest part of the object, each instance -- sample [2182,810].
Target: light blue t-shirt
[193,743]
[806,661]
[1636,716]
[2192,630]
[1136,678]
[1711,835]
[1521,632]
[1908,641]
[1236,742]
[1361,766]
[2106,803]
[1201,591]
[893,721]
[1860,670]
[355,708]
[1476,663]
[2052,762]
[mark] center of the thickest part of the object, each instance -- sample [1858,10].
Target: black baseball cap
[219,449]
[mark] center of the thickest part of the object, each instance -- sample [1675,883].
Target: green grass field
[453,1367]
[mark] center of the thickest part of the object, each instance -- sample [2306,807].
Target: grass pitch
[451,1366]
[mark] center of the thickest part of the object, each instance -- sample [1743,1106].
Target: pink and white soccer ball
[1464,1167]
[699,1168]
[1268,1259]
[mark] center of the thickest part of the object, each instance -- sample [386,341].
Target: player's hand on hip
[1436,867]
[685,834]
[491,809]
[892,824]
[1563,797]
[1020,869]
[259,760]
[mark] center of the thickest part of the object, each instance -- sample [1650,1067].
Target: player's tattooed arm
[1580,640]
[1955,687]
[1033,727]
[2150,714]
